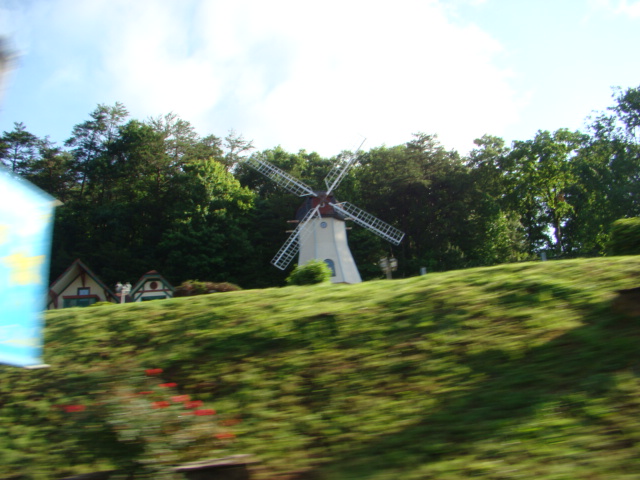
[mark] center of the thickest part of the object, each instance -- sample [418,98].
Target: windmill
[321,231]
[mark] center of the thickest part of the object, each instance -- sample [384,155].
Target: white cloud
[303,75]
[630,8]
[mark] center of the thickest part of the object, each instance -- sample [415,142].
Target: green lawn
[517,371]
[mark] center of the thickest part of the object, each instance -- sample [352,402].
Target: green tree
[209,236]
[236,148]
[137,164]
[540,177]
[608,171]
[182,143]
[19,148]
[91,139]
[52,171]
[500,237]
[115,220]
[422,189]
[627,111]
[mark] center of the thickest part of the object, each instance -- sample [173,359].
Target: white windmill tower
[321,231]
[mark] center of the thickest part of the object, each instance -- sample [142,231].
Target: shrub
[190,288]
[155,426]
[312,272]
[625,237]
[102,304]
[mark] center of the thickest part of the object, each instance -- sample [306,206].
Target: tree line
[154,194]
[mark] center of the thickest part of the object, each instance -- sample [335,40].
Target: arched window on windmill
[330,263]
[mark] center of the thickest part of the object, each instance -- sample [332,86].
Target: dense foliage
[196,287]
[625,237]
[311,273]
[154,194]
[516,371]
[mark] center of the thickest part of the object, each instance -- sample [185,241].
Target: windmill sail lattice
[291,247]
[366,220]
[337,173]
[281,177]
[321,232]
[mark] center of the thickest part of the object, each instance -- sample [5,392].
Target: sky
[321,76]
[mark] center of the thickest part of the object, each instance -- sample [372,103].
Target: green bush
[102,304]
[312,272]
[190,288]
[625,237]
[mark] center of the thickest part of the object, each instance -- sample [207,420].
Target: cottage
[78,286]
[151,286]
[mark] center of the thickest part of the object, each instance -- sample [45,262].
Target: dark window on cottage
[79,302]
[153,297]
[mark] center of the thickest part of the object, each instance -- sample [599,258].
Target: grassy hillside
[518,371]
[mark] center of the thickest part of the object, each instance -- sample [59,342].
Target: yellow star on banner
[4,234]
[24,270]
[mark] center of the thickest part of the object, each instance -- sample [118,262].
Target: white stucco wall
[326,238]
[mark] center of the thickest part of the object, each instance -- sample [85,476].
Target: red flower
[169,385]
[147,392]
[161,404]
[206,411]
[193,404]
[180,398]
[153,371]
[224,435]
[74,408]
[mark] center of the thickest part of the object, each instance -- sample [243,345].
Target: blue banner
[26,220]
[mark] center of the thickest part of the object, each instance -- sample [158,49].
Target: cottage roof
[72,272]
[152,275]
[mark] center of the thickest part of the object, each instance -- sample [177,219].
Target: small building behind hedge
[79,286]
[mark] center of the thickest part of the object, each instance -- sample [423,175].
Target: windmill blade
[366,220]
[281,177]
[337,173]
[290,248]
